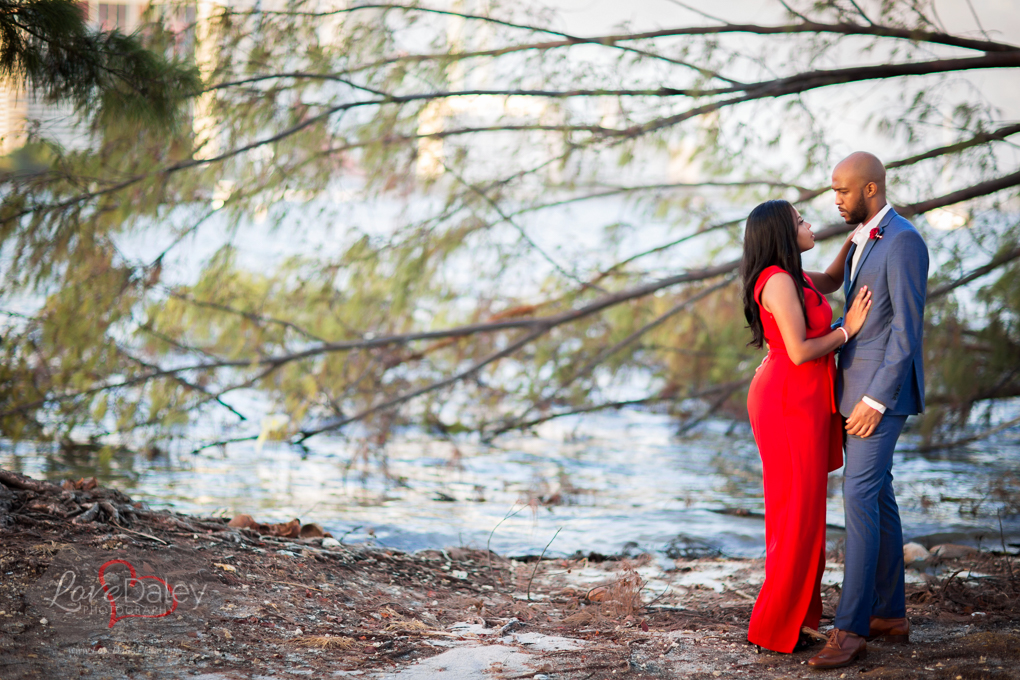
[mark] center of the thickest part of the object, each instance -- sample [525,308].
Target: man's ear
[870,189]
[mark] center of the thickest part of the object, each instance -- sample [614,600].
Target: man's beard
[858,214]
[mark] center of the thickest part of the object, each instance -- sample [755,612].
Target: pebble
[914,552]
[951,551]
[43,621]
[330,543]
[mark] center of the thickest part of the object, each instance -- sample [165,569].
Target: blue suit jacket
[884,361]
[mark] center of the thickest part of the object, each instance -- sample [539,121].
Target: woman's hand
[858,312]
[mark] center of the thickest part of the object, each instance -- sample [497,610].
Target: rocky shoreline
[203,599]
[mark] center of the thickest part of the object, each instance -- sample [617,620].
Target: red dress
[800,439]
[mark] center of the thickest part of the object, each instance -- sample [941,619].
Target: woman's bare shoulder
[779,290]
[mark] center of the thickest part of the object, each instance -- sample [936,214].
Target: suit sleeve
[907,279]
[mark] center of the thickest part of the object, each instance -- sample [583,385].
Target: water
[609,483]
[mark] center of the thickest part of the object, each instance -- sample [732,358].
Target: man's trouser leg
[873,569]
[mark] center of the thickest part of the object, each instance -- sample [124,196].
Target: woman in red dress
[793,413]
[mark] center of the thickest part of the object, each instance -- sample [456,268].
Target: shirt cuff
[873,404]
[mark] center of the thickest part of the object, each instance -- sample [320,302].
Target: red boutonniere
[875,233]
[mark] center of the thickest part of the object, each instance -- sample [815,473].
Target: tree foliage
[480,129]
[47,47]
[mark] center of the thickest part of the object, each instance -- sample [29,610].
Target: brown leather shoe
[842,649]
[889,630]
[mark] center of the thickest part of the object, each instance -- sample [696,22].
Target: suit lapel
[846,270]
[867,249]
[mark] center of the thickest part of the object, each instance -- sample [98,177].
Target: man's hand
[863,421]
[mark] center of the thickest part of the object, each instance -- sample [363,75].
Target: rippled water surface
[609,483]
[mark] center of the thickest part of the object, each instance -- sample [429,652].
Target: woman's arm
[779,297]
[831,279]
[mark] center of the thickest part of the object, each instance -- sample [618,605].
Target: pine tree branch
[408,396]
[766,89]
[591,408]
[251,316]
[183,382]
[538,325]
[47,44]
[607,352]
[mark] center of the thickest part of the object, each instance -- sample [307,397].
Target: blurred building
[23,111]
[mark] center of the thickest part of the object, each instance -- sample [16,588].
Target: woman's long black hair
[770,238]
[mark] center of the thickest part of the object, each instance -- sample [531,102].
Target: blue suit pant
[873,577]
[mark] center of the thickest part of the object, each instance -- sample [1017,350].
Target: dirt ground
[258,606]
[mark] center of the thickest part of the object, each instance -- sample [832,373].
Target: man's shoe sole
[863,654]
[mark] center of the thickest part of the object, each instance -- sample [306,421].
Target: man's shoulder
[897,223]
[900,228]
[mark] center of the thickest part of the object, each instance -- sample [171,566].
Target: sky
[1000,20]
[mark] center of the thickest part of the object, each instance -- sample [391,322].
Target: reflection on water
[627,484]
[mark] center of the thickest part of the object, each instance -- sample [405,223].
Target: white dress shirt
[861,238]
[861,235]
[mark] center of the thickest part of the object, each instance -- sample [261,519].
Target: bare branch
[977,140]
[613,40]
[996,262]
[983,189]
[984,434]
[865,16]
[568,38]
[518,228]
[716,404]
[804,82]
[977,20]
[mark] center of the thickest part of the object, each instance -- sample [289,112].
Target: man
[880,382]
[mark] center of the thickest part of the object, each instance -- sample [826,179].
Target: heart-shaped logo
[134,580]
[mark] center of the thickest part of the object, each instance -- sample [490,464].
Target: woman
[792,407]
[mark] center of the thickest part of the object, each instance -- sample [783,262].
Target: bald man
[880,382]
